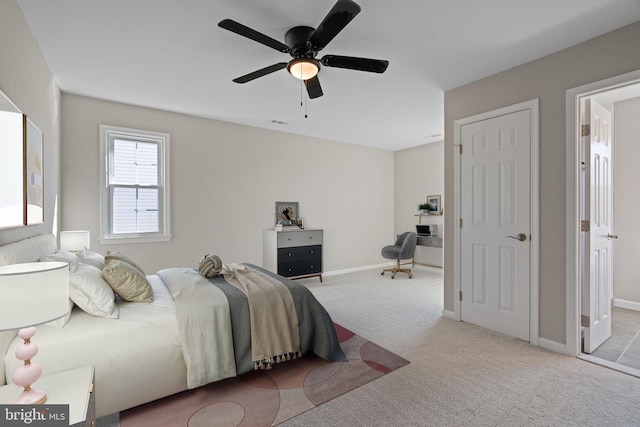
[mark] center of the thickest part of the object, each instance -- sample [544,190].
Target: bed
[193,331]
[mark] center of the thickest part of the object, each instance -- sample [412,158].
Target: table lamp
[74,241]
[31,294]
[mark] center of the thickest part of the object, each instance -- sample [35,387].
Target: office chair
[402,249]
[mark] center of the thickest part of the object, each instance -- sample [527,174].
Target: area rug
[267,398]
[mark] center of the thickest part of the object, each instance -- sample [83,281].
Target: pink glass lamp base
[30,397]
[28,373]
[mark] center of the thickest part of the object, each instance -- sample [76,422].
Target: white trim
[572,260]
[449,314]
[611,365]
[457,238]
[553,346]
[356,269]
[534,286]
[623,303]
[107,132]
[377,266]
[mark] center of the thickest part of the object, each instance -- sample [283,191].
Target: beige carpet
[460,374]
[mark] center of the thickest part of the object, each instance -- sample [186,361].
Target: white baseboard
[623,303]
[355,269]
[376,266]
[449,314]
[554,346]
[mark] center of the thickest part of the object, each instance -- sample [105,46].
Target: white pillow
[92,258]
[89,291]
[62,256]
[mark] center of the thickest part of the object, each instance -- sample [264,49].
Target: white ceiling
[171,55]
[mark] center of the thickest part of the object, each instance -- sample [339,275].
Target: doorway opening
[619,95]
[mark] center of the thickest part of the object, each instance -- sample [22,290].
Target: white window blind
[135,191]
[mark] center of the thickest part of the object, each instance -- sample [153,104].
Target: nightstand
[73,387]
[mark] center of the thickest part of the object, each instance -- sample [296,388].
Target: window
[134,185]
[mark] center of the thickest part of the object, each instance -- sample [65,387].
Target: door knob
[520,237]
[612,236]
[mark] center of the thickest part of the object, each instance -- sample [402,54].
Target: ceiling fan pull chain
[303,97]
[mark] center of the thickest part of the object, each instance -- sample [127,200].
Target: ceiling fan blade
[353,63]
[262,72]
[236,27]
[338,17]
[313,87]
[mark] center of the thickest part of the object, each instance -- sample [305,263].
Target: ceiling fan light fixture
[303,68]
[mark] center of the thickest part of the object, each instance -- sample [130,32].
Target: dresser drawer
[299,268]
[288,239]
[311,237]
[299,253]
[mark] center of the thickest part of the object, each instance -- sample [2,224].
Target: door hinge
[460,148]
[585,130]
[460,295]
[584,225]
[584,321]
[460,222]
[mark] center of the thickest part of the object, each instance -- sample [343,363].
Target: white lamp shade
[33,293]
[74,240]
[303,68]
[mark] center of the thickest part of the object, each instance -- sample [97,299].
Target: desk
[429,251]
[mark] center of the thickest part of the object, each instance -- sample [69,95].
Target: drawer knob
[289,254]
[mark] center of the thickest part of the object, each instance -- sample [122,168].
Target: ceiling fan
[303,44]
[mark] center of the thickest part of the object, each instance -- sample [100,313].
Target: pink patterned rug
[267,398]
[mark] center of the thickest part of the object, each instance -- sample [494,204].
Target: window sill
[144,239]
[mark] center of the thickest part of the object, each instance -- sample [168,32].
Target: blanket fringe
[268,362]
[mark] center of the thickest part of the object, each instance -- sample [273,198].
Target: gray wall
[626,268]
[26,79]
[547,78]
[225,180]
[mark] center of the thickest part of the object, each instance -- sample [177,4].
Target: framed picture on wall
[435,205]
[286,213]
[11,167]
[34,173]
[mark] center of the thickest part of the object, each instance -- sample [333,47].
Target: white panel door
[496,216]
[598,264]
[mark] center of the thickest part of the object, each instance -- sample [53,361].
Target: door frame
[533,106]
[574,262]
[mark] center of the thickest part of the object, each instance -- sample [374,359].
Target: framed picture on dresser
[286,213]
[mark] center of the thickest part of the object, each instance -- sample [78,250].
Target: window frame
[108,134]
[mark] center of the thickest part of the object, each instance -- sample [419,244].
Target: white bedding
[142,347]
[139,357]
